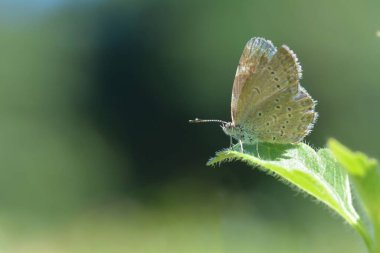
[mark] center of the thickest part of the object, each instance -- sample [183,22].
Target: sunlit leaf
[316,173]
[365,175]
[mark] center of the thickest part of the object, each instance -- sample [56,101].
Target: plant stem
[360,228]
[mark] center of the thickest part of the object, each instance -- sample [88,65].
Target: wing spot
[289,109]
[277,100]
[278,107]
[268,123]
[287,122]
[257,90]
[282,132]
[272,72]
[274,138]
[278,86]
[276,79]
[259,114]
[290,115]
[274,117]
[283,126]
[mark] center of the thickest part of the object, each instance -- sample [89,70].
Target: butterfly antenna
[196,120]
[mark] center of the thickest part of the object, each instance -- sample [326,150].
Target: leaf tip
[356,163]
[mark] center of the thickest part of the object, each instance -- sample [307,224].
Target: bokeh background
[95,149]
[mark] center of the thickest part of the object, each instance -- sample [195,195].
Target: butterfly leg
[257,150]
[241,146]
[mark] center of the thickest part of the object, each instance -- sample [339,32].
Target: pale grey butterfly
[268,103]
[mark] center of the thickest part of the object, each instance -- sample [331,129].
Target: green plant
[330,175]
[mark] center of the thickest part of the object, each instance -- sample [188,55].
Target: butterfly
[268,103]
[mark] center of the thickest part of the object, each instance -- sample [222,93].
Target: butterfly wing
[285,118]
[257,52]
[272,105]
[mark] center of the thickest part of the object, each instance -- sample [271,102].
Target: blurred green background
[95,149]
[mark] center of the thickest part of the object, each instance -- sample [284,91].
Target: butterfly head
[228,128]
[233,130]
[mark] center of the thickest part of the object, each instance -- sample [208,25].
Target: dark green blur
[95,149]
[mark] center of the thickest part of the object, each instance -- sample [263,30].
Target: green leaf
[357,164]
[365,175]
[317,173]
